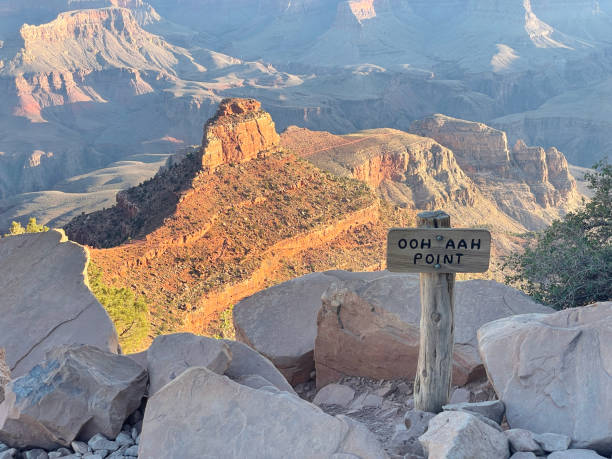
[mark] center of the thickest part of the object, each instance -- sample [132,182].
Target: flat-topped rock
[44,291]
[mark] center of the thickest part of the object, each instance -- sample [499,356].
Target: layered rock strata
[482,150]
[239,132]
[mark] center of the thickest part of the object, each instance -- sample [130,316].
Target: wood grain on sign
[438,250]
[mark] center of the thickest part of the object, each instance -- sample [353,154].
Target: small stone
[523,455]
[417,421]
[99,441]
[124,438]
[80,447]
[372,400]
[460,395]
[575,454]
[551,442]
[8,454]
[410,404]
[334,394]
[132,451]
[35,454]
[120,453]
[64,451]
[134,433]
[521,440]
[54,455]
[101,452]
[384,390]
[93,456]
[404,388]
[493,410]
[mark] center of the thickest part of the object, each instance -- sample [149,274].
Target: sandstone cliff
[210,230]
[530,184]
[239,132]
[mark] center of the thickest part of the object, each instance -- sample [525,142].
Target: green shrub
[128,311]
[224,327]
[32,227]
[570,263]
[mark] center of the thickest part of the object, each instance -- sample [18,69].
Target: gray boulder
[554,372]
[281,322]
[203,414]
[371,327]
[522,441]
[457,434]
[170,355]
[493,410]
[247,361]
[44,291]
[76,391]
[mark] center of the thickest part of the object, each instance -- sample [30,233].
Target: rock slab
[78,391]
[170,355]
[44,291]
[203,414]
[371,327]
[248,362]
[554,372]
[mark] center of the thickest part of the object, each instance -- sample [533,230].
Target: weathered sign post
[437,252]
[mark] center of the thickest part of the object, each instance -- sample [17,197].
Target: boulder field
[365,324]
[546,392]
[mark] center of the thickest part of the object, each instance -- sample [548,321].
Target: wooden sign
[438,250]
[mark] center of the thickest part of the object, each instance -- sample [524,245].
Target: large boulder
[371,327]
[248,362]
[5,374]
[460,435]
[281,322]
[170,355]
[78,391]
[44,291]
[554,372]
[203,414]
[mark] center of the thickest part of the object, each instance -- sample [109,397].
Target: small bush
[570,263]
[128,311]
[32,227]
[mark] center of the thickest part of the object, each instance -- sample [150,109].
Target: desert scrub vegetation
[128,311]
[31,227]
[223,327]
[570,263]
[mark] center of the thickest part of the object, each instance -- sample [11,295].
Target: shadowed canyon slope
[90,83]
[231,218]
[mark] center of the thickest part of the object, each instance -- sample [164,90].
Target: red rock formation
[195,243]
[239,132]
